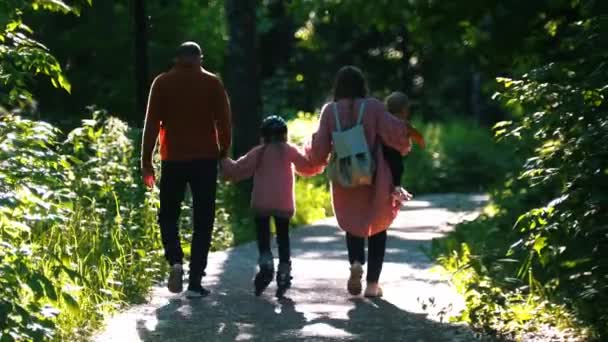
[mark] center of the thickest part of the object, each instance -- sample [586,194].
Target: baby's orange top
[416,136]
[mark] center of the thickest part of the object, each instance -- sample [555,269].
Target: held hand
[148,176]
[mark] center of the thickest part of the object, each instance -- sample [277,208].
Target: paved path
[318,307]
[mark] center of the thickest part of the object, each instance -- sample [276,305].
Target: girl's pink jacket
[366,210]
[272,167]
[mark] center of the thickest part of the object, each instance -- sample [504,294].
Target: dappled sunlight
[323,330]
[416,298]
[323,254]
[319,239]
[316,310]
[416,235]
[417,204]
[244,332]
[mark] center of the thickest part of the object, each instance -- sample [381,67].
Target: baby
[397,104]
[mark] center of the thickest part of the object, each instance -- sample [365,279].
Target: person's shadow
[379,320]
[230,313]
[233,313]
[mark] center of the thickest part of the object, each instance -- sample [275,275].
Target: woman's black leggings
[262,224]
[376,248]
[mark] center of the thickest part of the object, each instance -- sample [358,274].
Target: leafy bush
[22,57]
[75,227]
[78,230]
[460,156]
[313,200]
[546,238]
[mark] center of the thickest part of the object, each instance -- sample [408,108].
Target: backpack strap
[335,108]
[361,111]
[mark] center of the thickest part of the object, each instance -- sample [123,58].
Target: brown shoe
[373,290]
[354,281]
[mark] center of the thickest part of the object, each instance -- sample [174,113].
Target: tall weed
[76,221]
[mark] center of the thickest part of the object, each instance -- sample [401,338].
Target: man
[189,107]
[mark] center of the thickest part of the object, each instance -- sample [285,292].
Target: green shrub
[460,156]
[75,223]
[546,240]
[313,200]
[78,229]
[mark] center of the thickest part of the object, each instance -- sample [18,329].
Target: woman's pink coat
[366,210]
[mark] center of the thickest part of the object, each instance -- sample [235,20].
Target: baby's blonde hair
[397,102]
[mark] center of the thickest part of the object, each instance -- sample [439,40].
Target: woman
[364,212]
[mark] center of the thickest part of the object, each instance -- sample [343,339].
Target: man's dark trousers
[201,176]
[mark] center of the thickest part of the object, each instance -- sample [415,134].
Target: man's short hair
[397,102]
[189,49]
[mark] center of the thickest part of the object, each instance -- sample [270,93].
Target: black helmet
[274,129]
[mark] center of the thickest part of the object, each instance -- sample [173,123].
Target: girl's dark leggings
[376,248]
[263,235]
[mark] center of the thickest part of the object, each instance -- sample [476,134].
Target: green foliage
[102,40]
[313,200]
[79,233]
[460,156]
[545,240]
[79,237]
[22,57]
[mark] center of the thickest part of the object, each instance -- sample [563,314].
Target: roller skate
[283,279]
[265,273]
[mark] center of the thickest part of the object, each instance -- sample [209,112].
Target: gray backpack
[351,162]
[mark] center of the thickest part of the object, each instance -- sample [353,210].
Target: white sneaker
[354,281]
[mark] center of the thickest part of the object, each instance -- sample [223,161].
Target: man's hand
[147,173]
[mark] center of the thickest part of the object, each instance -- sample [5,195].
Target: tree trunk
[242,74]
[475,95]
[242,79]
[141,59]
[276,46]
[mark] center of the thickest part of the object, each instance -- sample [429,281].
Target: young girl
[272,166]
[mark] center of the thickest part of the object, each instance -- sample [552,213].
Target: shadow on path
[318,307]
[315,310]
